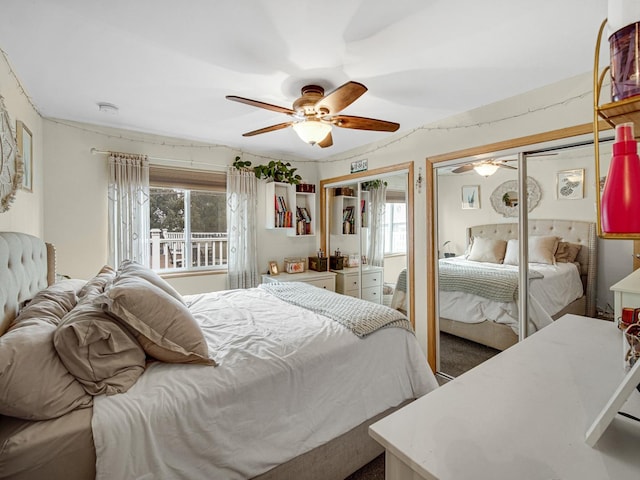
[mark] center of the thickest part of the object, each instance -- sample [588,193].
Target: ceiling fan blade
[340,98]
[272,128]
[256,103]
[504,165]
[327,141]
[463,168]
[363,123]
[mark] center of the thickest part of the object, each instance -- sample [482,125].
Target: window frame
[188,181]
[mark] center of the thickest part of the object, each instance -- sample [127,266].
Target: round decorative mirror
[504,198]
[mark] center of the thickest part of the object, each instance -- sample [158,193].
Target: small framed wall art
[25,147]
[570,184]
[470,197]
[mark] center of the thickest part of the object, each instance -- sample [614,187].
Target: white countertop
[629,284]
[524,413]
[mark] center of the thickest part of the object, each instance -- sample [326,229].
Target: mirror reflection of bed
[477,291]
[376,249]
[477,316]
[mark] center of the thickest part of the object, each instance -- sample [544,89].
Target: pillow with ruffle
[163,325]
[129,268]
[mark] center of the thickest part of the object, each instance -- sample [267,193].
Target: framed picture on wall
[25,147]
[570,184]
[470,197]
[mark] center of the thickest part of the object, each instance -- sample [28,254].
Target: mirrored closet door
[366,236]
[481,266]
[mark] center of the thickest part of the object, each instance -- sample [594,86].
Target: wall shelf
[279,196]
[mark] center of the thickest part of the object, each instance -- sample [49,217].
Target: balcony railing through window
[171,251]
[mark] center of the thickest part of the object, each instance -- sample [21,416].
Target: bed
[565,287]
[275,391]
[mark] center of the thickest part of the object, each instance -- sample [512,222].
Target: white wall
[26,212]
[75,217]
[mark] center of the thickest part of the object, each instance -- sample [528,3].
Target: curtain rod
[95,151]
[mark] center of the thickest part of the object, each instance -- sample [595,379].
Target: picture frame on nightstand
[273,268]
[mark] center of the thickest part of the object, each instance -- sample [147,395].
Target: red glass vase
[620,205]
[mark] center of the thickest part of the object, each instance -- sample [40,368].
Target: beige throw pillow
[51,303]
[542,249]
[97,350]
[96,285]
[163,325]
[487,250]
[34,383]
[567,252]
[129,268]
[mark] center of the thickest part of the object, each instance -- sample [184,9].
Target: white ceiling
[168,65]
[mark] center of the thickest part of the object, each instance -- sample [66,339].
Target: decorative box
[336,262]
[346,191]
[294,265]
[319,264]
[306,187]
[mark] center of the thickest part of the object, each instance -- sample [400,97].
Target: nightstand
[626,294]
[325,280]
[348,282]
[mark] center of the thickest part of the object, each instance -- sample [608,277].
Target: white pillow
[487,250]
[542,249]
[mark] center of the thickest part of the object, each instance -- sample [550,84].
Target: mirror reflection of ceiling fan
[486,168]
[314,114]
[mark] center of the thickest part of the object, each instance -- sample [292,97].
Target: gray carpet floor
[457,356]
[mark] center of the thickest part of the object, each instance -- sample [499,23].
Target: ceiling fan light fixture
[312,131]
[486,169]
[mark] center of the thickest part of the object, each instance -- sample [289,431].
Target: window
[395,228]
[188,219]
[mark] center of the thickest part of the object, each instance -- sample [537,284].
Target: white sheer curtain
[128,208]
[377,196]
[242,204]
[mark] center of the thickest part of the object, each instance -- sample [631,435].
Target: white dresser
[349,280]
[325,280]
[522,415]
[626,293]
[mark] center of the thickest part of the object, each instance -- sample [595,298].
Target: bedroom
[62,156]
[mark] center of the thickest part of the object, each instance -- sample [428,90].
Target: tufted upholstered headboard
[27,265]
[573,231]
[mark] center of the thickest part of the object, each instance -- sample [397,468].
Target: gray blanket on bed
[359,316]
[499,283]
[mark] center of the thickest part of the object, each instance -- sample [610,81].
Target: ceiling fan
[484,167]
[314,114]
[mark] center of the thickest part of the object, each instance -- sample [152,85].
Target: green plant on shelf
[275,170]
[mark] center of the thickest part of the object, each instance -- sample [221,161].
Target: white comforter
[560,286]
[287,381]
